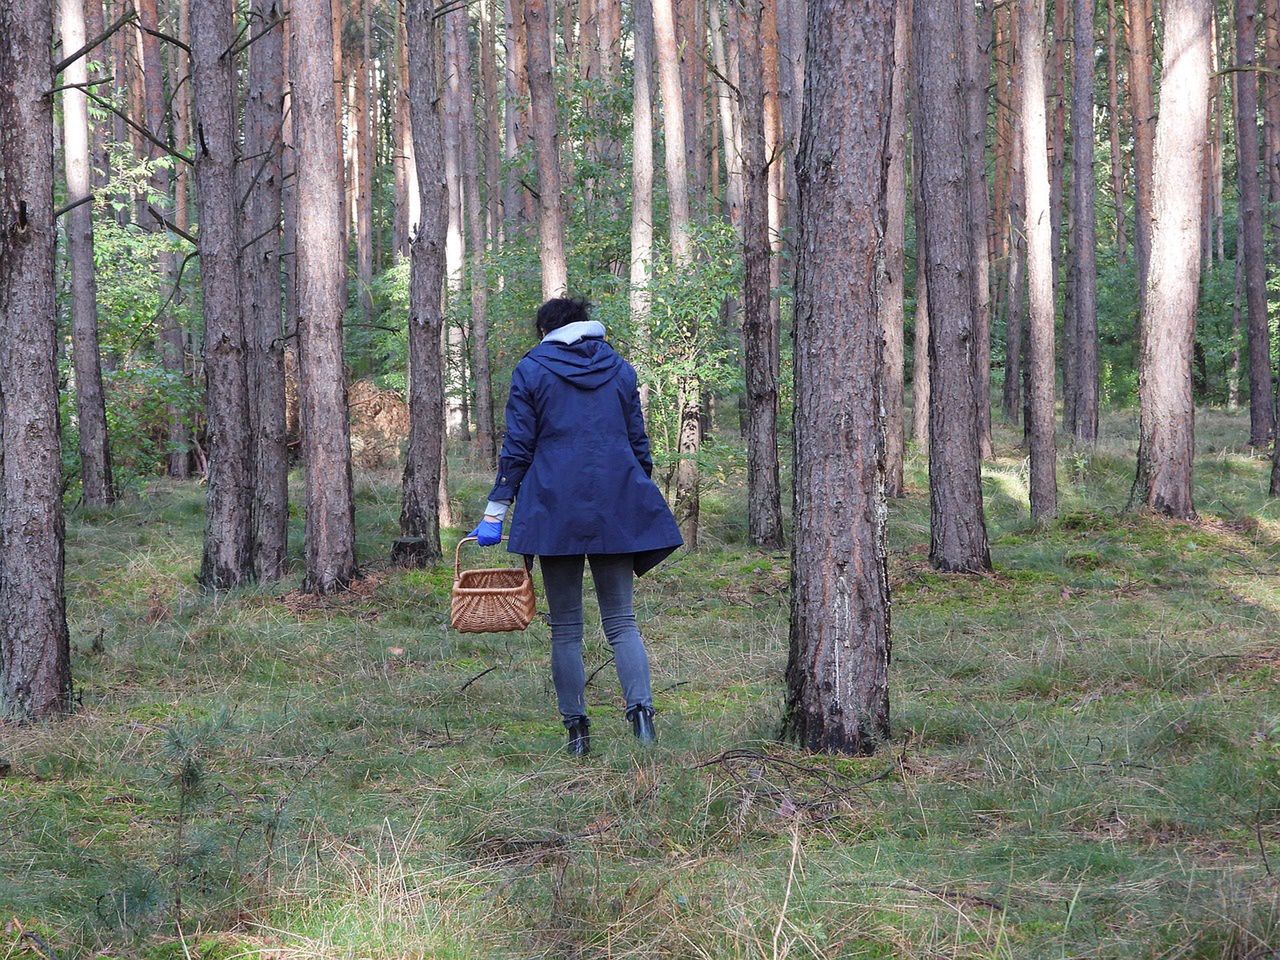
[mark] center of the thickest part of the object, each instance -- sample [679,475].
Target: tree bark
[920,348]
[726,99]
[1113,118]
[893,289]
[455,246]
[91,414]
[420,504]
[330,550]
[1261,411]
[35,654]
[546,140]
[958,536]
[640,297]
[485,447]
[264,330]
[228,539]
[1037,194]
[518,199]
[1084,235]
[975,135]
[1166,443]
[759,332]
[1015,319]
[689,394]
[492,137]
[1142,106]
[837,669]
[364,167]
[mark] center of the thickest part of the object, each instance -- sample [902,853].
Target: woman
[577,455]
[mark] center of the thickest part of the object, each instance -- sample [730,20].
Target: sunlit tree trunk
[920,347]
[91,414]
[893,290]
[228,540]
[1113,119]
[35,654]
[330,550]
[689,399]
[727,104]
[759,331]
[837,669]
[420,505]
[1261,411]
[264,330]
[1166,441]
[1037,195]
[518,199]
[1084,235]
[640,296]
[958,535]
[362,107]
[975,66]
[492,136]
[1142,107]
[546,150]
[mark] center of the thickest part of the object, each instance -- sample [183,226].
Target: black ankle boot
[579,737]
[641,718]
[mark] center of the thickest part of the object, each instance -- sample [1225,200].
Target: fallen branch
[482,673]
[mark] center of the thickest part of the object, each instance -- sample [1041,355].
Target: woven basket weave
[494,600]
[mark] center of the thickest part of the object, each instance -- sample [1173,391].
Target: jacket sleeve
[636,431]
[517,446]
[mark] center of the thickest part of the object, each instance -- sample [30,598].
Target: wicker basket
[494,600]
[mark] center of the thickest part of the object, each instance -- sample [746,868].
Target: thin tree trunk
[173,349]
[330,549]
[264,331]
[975,135]
[35,653]
[1142,107]
[1261,411]
[893,289]
[91,413]
[726,99]
[455,247]
[759,332]
[424,461]
[837,669]
[363,158]
[640,297]
[1015,319]
[1113,118]
[920,348]
[958,535]
[1056,101]
[289,204]
[518,199]
[492,137]
[1084,235]
[689,395]
[542,95]
[1233,363]
[1166,443]
[228,539]
[1037,194]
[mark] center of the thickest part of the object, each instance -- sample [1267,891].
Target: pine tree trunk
[837,669]
[1015,319]
[1166,443]
[893,289]
[1084,231]
[1037,194]
[688,393]
[640,297]
[485,448]
[424,462]
[726,101]
[228,539]
[264,330]
[920,348]
[289,205]
[1113,118]
[975,135]
[172,350]
[492,136]
[958,536]
[91,414]
[1142,107]
[364,166]
[1056,52]
[35,654]
[1261,411]
[759,332]
[546,150]
[330,549]
[518,199]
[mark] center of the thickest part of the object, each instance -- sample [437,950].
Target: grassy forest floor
[1085,757]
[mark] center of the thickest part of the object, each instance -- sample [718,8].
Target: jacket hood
[578,356]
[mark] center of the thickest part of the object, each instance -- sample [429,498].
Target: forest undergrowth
[1085,758]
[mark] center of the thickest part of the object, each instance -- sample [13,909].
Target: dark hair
[561,311]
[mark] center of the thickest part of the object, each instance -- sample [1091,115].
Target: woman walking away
[577,454]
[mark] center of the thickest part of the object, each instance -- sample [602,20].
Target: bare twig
[124,18]
[160,218]
[147,134]
[482,673]
[597,670]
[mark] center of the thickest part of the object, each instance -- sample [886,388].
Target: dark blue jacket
[577,454]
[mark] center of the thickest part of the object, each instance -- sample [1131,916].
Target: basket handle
[457,557]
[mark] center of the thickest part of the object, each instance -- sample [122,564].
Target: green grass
[1085,763]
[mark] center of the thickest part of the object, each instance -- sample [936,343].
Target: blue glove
[488,532]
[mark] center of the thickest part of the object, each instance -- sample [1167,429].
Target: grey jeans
[614,577]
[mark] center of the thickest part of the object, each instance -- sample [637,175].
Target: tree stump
[413,552]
